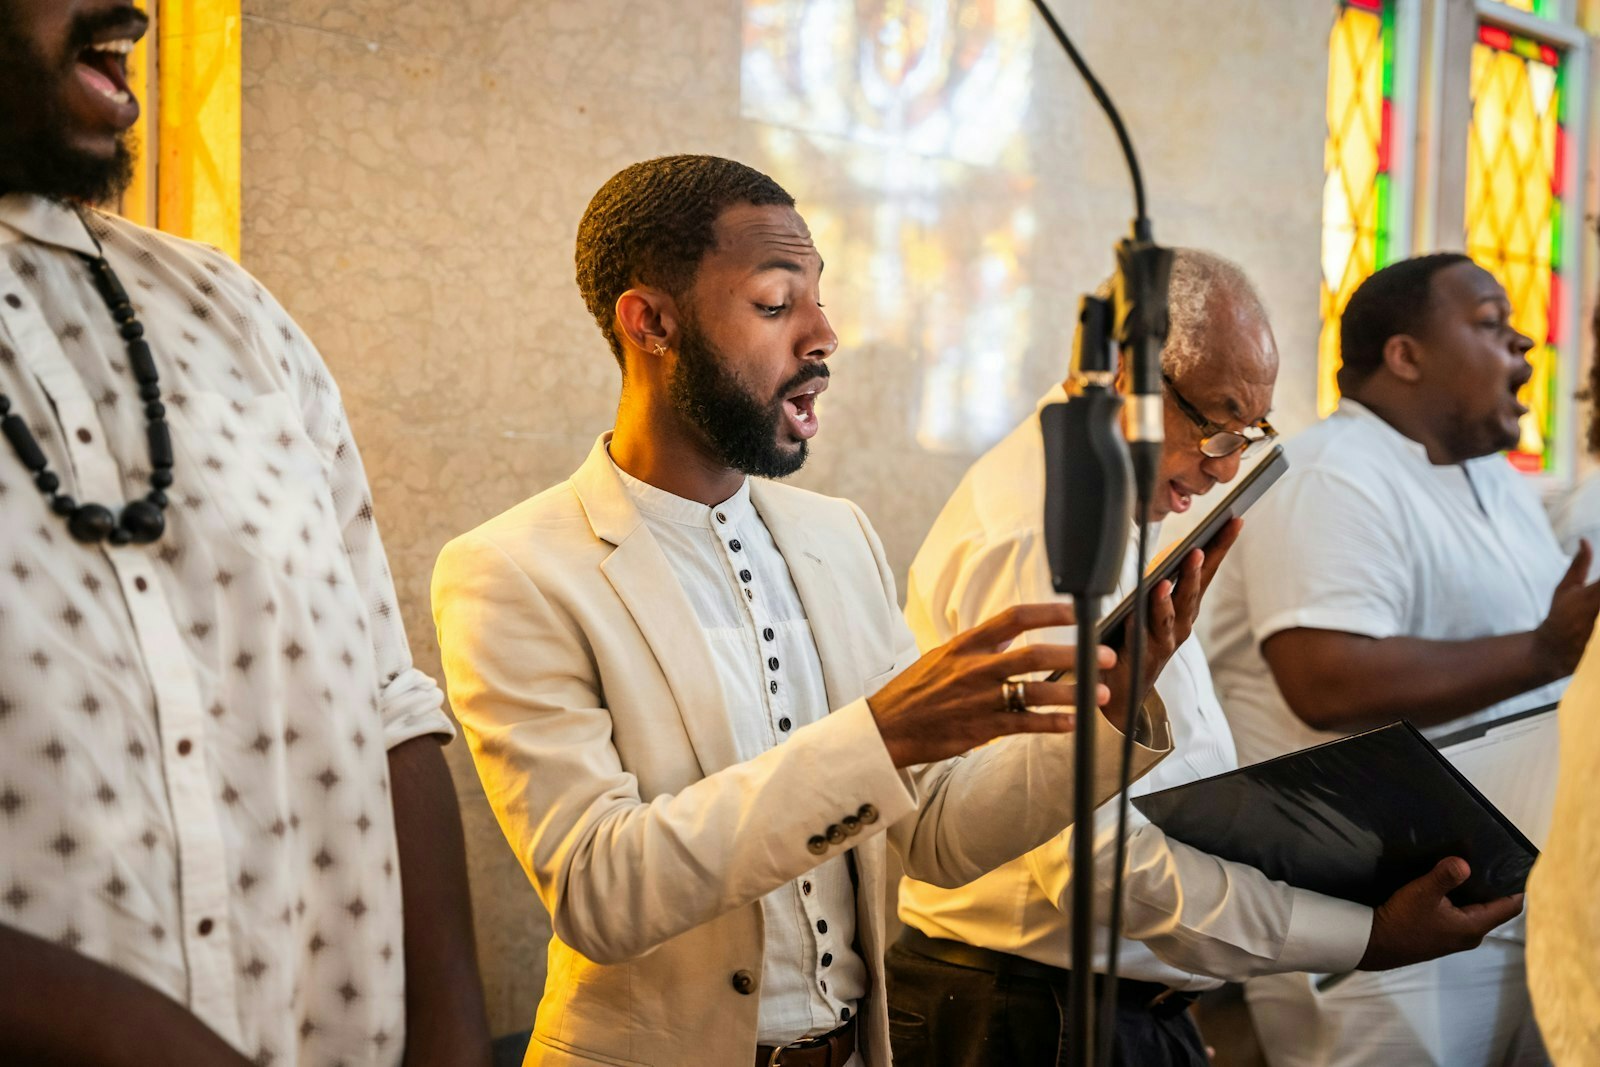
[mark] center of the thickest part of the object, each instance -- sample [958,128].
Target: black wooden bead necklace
[141,521]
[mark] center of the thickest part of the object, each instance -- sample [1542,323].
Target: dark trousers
[943,1015]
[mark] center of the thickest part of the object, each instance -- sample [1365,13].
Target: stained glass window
[1355,190]
[1516,153]
[1543,8]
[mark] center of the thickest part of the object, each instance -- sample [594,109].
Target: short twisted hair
[652,224]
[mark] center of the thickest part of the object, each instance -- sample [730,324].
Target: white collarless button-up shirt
[730,569]
[1191,919]
[193,733]
[1365,535]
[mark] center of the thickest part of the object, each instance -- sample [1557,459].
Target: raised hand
[952,699]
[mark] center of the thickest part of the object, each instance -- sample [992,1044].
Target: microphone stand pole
[1087,486]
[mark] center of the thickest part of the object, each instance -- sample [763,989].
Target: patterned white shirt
[193,733]
[732,572]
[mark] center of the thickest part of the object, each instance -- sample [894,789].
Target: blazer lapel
[648,587]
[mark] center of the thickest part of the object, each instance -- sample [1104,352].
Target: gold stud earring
[661,349]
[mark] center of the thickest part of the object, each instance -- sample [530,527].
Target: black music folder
[1356,818]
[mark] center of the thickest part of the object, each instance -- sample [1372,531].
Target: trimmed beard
[741,429]
[37,158]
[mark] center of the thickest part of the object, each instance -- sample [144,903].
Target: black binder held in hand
[1356,818]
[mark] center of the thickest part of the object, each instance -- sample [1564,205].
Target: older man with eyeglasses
[980,975]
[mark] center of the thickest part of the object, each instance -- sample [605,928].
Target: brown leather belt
[832,1049]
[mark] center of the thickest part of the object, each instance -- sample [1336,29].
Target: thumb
[1447,874]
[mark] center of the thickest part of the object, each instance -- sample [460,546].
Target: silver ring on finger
[1015,699]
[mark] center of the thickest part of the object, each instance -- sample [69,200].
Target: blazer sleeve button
[744,983]
[817,845]
[835,834]
[851,824]
[868,814]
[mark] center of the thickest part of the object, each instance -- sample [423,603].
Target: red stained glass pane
[1495,37]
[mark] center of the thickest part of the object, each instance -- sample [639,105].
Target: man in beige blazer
[690,694]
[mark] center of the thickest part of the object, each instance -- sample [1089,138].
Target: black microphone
[1087,473]
[1140,294]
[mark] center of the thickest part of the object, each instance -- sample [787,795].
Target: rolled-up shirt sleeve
[410,703]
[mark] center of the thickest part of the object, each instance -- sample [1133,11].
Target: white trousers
[1467,1010]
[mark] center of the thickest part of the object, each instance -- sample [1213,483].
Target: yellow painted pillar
[198,142]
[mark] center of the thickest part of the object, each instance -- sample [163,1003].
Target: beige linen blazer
[598,724]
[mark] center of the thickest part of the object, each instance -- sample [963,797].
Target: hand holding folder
[1380,818]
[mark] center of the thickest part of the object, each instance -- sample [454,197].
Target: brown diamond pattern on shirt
[262,743]
[264,1057]
[212,463]
[115,887]
[90,704]
[387,952]
[255,968]
[90,582]
[149,839]
[54,751]
[199,630]
[21,571]
[64,845]
[73,618]
[40,659]
[109,399]
[293,651]
[17,896]
[290,736]
[216,710]
[72,331]
[136,749]
[329,778]
[105,794]
[316,944]
[230,795]
[158,932]
[322,859]
[242,662]
[307,1028]
[70,938]
[278,828]
[349,992]
[6,707]
[247,881]
[224,579]
[357,908]
[11,802]
[363,823]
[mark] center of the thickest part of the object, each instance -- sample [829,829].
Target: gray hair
[1197,277]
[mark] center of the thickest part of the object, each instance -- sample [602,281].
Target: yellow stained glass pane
[1513,156]
[1352,192]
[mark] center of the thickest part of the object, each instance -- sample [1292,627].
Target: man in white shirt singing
[689,690]
[1402,568]
[980,975]
[227,833]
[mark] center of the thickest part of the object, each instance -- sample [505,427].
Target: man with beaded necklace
[218,765]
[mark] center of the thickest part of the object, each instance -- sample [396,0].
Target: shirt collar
[660,504]
[26,217]
[1354,409]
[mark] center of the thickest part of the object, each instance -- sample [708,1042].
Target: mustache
[87,27]
[816,370]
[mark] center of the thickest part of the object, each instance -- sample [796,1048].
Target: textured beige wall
[414,172]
